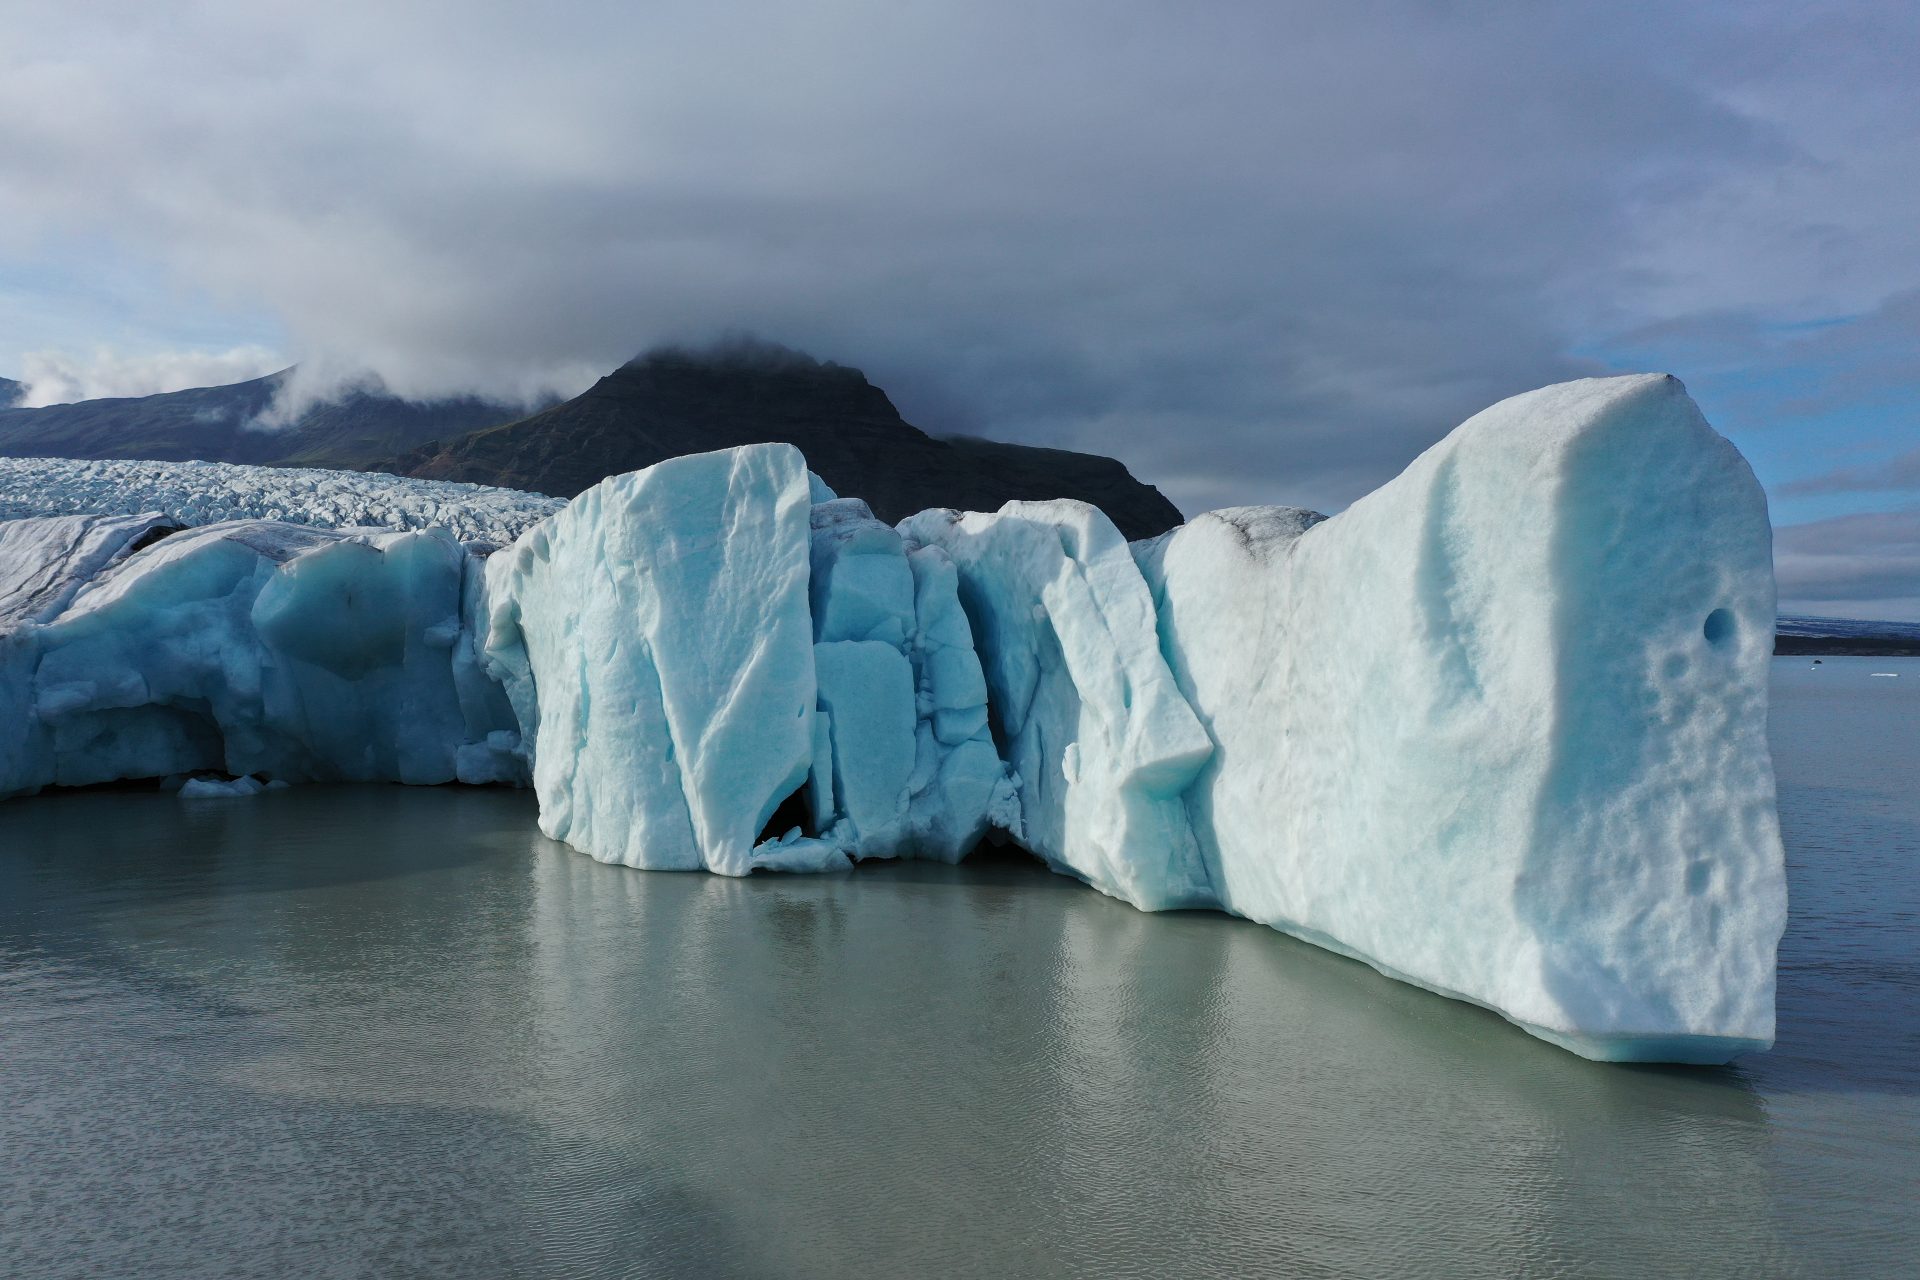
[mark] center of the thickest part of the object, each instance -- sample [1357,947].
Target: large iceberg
[1498,729]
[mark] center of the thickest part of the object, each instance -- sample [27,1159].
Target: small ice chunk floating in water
[1497,730]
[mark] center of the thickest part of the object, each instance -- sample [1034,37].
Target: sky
[1261,252]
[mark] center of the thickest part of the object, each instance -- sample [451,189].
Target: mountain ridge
[661,404]
[675,401]
[214,424]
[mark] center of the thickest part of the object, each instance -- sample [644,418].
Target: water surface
[382,1031]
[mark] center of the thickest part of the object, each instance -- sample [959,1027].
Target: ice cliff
[1497,729]
[304,654]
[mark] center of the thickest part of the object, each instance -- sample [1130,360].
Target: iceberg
[1497,730]
[223,789]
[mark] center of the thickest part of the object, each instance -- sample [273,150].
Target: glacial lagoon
[379,1030]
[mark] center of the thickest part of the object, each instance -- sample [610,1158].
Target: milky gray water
[393,1032]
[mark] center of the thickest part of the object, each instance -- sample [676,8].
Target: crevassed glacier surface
[195,493]
[1497,729]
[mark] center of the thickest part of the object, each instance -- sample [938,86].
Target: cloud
[322,381]
[1900,474]
[58,377]
[1865,565]
[1811,401]
[1258,252]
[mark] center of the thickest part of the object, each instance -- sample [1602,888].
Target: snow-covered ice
[44,563]
[1498,729]
[196,493]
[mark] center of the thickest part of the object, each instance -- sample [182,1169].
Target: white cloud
[59,377]
[1258,252]
[1317,234]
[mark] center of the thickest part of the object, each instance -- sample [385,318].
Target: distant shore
[1846,646]
[1838,637]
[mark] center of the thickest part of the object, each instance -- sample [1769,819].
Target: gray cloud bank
[1898,474]
[1260,252]
[1855,566]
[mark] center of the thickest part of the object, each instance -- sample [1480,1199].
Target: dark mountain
[10,393]
[211,423]
[671,402]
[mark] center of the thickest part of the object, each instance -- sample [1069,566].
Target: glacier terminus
[1497,729]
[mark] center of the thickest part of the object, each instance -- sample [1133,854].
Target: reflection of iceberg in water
[865,1069]
[1329,1121]
[431,1039]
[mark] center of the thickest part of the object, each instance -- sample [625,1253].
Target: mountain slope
[669,403]
[211,424]
[10,393]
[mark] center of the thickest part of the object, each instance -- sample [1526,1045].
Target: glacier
[197,493]
[1497,729]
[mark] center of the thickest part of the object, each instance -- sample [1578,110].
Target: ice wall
[1088,713]
[43,564]
[1499,728]
[962,790]
[904,764]
[656,637]
[299,653]
[861,592]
